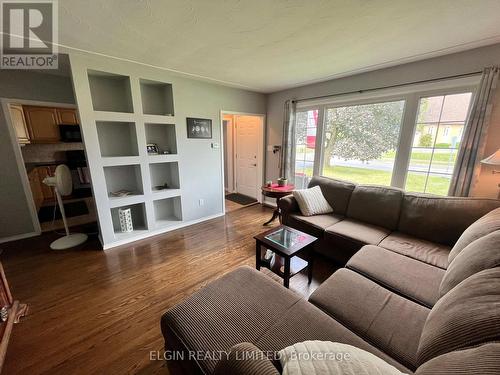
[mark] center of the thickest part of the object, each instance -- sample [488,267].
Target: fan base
[69,241]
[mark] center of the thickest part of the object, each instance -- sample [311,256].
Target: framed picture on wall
[200,128]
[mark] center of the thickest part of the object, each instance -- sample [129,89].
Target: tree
[362,132]
[425,140]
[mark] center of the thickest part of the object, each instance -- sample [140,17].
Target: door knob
[254,165]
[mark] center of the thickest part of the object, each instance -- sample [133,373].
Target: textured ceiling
[268,45]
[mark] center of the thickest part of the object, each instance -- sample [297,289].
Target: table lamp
[494,161]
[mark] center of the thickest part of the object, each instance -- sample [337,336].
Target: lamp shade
[493,159]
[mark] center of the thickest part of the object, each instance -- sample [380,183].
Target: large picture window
[438,132]
[408,140]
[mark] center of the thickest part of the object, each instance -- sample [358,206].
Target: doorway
[45,135]
[243,138]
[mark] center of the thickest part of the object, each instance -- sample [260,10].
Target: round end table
[277,192]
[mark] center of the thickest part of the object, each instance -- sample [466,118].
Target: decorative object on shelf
[282,181]
[121,193]
[125,216]
[152,149]
[269,183]
[199,128]
[162,187]
[165,152]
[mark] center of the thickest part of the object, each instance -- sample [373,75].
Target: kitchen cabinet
[36,187]
[47,191]
[19,123]
[42,124]
[67,116]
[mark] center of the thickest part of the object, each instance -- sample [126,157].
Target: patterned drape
[467,164]
[287,167]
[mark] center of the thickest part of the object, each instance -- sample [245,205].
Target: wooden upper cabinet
[19,122]
[42,124]
[67,116]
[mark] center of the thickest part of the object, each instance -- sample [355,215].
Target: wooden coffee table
[286,243]
[278,192]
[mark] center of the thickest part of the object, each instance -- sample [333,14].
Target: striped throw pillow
[312,202]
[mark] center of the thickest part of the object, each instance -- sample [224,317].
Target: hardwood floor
[96,312]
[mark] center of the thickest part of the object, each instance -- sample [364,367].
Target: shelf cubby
[163,135]
[138,219]
[162,173]
[167,211]
[123,177]
[157,98]
[117,138]
[110,92]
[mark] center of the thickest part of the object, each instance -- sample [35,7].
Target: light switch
[215,145]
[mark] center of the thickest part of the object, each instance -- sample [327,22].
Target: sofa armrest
[245,359]
[287,206]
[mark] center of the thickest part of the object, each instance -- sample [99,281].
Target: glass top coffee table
[286,244]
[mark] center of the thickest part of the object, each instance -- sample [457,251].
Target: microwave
[70,133]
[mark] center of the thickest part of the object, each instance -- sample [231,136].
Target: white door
[248,146]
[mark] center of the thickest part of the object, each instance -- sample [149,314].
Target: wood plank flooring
[96,312]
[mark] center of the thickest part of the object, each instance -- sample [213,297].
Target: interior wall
[200,160]
[15,219]
[487,183]
[435,68]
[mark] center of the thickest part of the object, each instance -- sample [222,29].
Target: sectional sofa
[420,289]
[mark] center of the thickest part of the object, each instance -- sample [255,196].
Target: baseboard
[160,231]
[19,237]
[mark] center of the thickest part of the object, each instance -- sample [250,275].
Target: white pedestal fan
[63,185]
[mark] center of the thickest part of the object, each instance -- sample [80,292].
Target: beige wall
[486,184]
[435,68]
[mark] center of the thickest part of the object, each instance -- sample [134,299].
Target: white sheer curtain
[475,130]
[287,167]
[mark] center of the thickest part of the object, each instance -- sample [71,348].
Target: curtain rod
[388,87]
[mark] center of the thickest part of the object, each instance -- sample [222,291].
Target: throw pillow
[312,202]
[326,357]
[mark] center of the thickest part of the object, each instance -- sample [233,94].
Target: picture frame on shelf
[199,128]
[152,149]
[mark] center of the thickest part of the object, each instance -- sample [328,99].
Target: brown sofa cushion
[482,254]
[378,315]
[483,226]
[314,225]
[406,276]
[305,322]
[441,219]
[239,307]
[377,205]
[422,250]
[358,232]
[245,359]
[336,192]
[483,360]
[468,315]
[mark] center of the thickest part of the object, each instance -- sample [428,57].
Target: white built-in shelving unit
[129,113]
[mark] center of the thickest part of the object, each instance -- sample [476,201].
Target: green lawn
[414,181]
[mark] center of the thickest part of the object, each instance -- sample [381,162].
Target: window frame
[410,94]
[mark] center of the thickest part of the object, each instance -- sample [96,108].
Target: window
[360,141]
[433,155]
[407,138]
[306,124]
